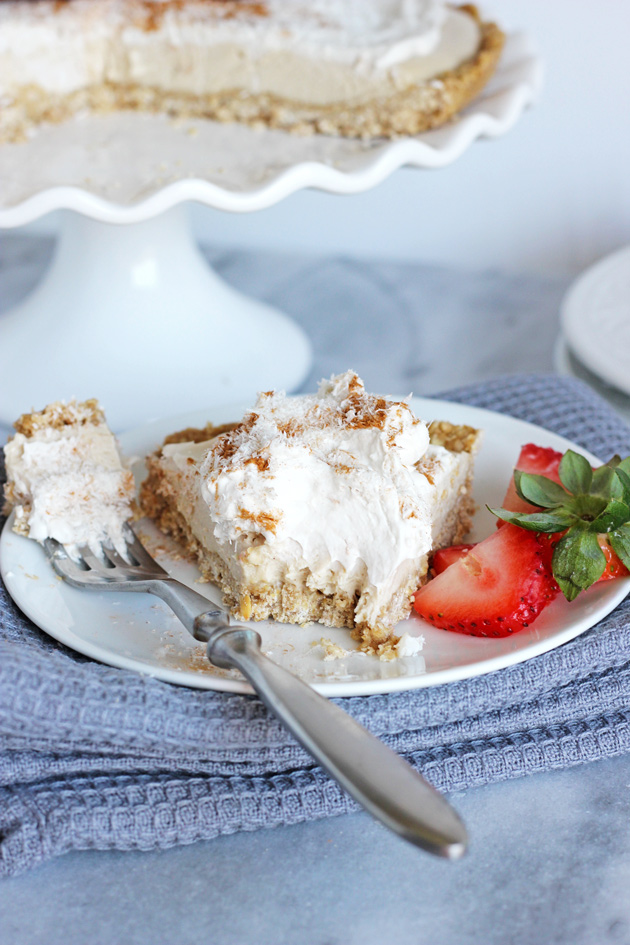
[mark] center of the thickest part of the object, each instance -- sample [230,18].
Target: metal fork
[374,775]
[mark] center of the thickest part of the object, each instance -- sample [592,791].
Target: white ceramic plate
[565,362]
[138,632]
[126,167]
[595,318]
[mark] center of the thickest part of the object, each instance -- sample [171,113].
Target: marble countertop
[549,860]
[403,328]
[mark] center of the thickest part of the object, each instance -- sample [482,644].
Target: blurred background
[435,278]
[551,196]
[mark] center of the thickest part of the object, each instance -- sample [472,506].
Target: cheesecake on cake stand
[129,306]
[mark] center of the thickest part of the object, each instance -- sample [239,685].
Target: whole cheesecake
[358,69]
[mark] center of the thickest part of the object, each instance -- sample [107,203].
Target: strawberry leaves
[539,490]
[577,561]
[620,542]
[576,473]
[555,520]
[586,503]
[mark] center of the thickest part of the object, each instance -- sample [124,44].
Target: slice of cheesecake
[359,69]
[320,508]
[65,477]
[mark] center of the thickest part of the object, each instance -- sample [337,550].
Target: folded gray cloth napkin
[93,757]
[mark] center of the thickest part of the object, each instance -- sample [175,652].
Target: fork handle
[373,774]
[185,602]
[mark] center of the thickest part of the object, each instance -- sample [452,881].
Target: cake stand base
[133,315]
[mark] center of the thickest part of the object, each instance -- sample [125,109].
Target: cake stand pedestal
[138,305]
[129,311]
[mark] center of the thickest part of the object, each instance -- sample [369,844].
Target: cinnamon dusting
[428,466]
[267,521]
[59,415]
[199,434]
[154,13]
[261,462]
[362,411]
[291,428]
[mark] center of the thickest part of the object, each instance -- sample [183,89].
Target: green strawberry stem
[586,504]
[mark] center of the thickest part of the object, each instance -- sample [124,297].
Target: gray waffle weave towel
[93,757]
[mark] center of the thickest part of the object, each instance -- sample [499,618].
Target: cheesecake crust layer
[397,113]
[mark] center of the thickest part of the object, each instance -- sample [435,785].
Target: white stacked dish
[594,343]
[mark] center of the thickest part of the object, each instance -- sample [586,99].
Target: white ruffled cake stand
[129,310]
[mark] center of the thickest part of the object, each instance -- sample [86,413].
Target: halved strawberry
[544,461]
[443,558]
[497,588]
[540,460]
[614,566]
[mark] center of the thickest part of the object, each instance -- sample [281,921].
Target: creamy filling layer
[321,53]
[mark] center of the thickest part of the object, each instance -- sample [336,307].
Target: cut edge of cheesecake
[409,111]
[299,604]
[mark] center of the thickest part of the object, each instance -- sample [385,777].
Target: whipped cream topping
[321,488]
[341,452]
[409,646]
[66,479]
[258,47]
[374,35]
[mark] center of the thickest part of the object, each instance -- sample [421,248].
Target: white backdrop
[551,196]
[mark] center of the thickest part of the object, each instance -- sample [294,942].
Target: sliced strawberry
[540,460]
[614,566]
[544,461]
[548,541]
[443,558]
[494,590]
